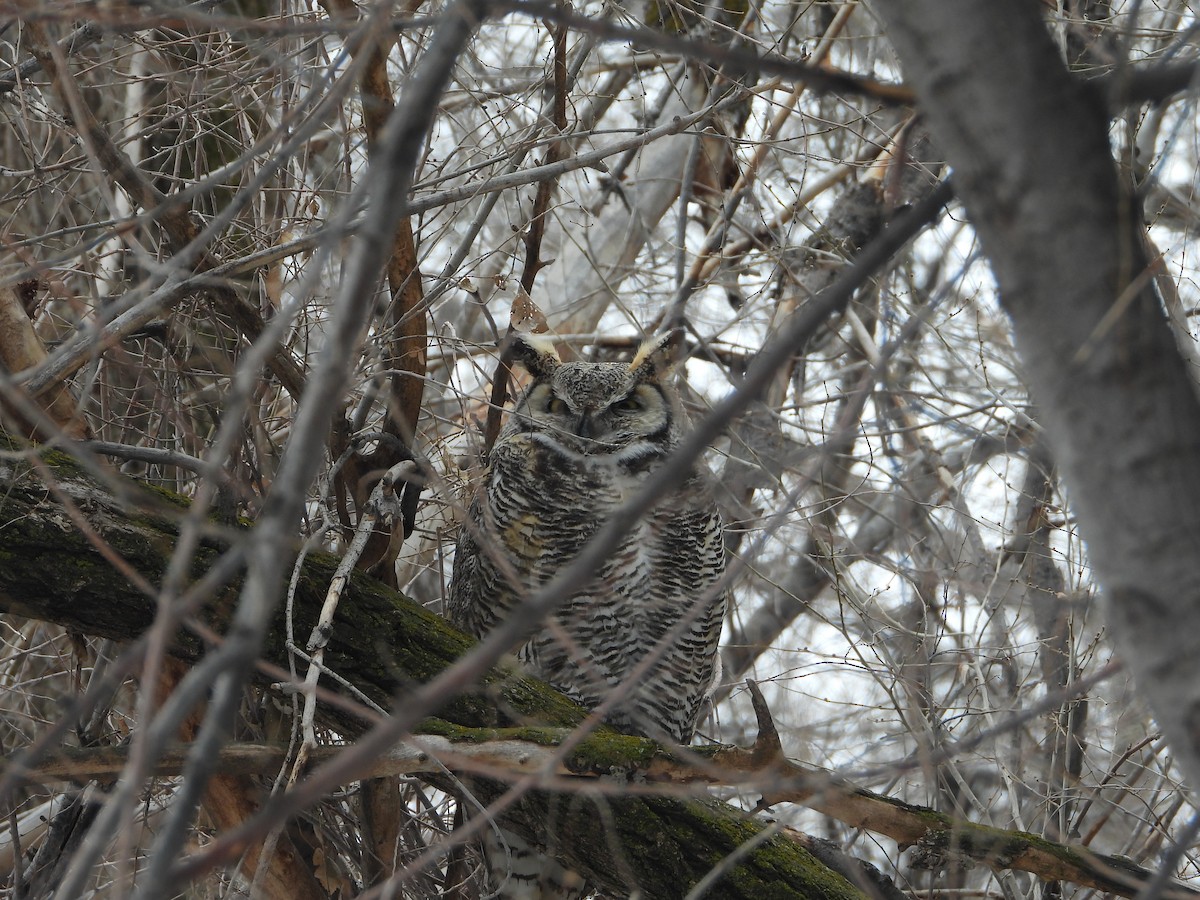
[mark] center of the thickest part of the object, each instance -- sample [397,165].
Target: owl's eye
[631,404]
[556,406]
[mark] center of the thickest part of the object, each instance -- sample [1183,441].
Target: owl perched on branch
[583,439]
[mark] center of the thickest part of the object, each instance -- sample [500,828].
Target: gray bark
[1029,148]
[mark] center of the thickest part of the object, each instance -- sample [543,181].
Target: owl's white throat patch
[550,442]
[638,451]
[625,457]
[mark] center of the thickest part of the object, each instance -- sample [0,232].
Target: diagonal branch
[383,645]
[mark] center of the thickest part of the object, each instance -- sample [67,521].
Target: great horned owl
[583,439]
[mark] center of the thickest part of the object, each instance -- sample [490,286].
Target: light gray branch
[1029,146]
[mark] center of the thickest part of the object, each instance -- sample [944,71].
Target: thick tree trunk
[1030,151]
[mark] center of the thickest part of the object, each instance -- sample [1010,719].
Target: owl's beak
[586,428]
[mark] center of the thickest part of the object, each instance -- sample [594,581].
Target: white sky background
[835,679]
[831,678]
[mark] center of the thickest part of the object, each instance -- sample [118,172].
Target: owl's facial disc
[630,422]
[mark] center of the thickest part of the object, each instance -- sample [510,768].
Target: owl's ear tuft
[535,352]
[656,358]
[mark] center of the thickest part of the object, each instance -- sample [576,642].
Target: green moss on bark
[663,846]
[384,644]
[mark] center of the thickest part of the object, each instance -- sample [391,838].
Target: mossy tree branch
[51,571]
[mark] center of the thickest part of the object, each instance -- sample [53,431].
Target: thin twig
[534,231]
[511,632]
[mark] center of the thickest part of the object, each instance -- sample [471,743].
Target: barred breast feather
[641,636]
